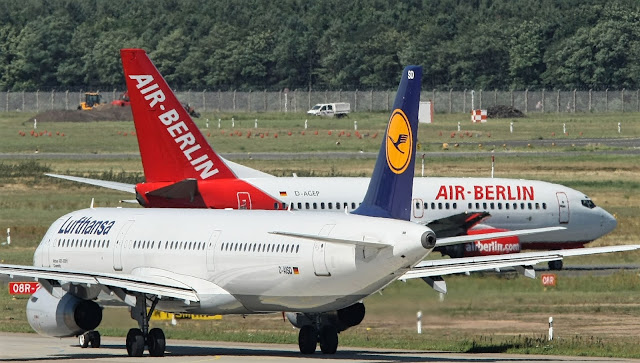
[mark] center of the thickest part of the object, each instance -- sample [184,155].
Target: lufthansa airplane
[317,266]
[183,171]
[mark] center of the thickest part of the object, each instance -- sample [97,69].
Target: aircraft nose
[609,222]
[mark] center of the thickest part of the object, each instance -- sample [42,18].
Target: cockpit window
[588,203]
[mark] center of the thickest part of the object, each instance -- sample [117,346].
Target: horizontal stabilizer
[123,187]
[352,242]
[456,224]
[448,241]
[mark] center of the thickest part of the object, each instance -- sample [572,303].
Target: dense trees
[326,44]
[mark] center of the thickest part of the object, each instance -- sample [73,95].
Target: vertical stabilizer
[171,145]
[390,188]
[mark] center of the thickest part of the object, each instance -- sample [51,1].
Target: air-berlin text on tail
[486,192]
[178,130]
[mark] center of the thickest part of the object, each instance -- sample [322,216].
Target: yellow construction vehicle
[91,100]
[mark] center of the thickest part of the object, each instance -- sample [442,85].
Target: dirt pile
[103,113]
[501,111]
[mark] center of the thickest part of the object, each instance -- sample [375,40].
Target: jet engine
[483,247]
[66,316]
[342,319]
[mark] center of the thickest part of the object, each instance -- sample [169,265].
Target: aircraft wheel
[307,339]
[156,342]
[94,339]
[135,342]
[555,265]
[328,339]
[83,340]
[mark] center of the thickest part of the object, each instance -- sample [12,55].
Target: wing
[123,187]
[156,285]
[431,271]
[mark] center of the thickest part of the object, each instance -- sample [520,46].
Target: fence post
[606,100]
[371,100]
[38,100]
[326,96]
[638,100]
[433,98]
[219,99]
[464,101]
[23,101]
[590,99]
[622,96]
[451,100]
[480,99]
[52,100]
[340,96]
[66,100]
[234,100]
[265,100]
[558,101]
[574,100]
[295,100]
[355,101]
[204,101]
[526,100]
[495,96]
[309,99]
[512,98]
[6,104]
[113,94]
[543,100]
[249,102]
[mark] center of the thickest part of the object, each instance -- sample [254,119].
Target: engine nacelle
[62,317]
[483,247]
[341,319]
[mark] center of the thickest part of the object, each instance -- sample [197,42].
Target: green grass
[483,312]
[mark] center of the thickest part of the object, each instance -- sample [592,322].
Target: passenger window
[521,205]
[477,205]
[484,206]
[537,205]
[353,205]
[315,205]
[299,205]
[417,205]
[506,205]
[276,205]
[529,205]
[439,205]
[492,205]
[433,205]
[499,205]
[446,205]
[544,205]
[322,205]
[306,205]
[337,205]
[330,205]
[455,205]
[515,205]
[297,248]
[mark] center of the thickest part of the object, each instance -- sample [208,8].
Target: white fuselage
[513,203]
[233,260]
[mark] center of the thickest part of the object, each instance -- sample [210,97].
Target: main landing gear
[138,338]
[309,337]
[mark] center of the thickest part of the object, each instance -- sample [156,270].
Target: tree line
[324,44]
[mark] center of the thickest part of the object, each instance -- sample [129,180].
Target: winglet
[390,188]
[171,145]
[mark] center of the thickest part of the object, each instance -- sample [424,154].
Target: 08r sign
[23,288]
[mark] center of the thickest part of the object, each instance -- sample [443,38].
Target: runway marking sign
[549,279]
[23,288]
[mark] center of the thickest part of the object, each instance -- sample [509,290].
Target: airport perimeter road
[34,348]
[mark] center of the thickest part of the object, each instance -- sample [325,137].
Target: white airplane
[183,171]
[317,266]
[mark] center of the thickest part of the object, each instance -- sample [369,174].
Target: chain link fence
[371,101]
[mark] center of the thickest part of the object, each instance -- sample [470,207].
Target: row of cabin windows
[508,206]
[170,245]
[260,247]
[316,205]
[83,243]
[437,205]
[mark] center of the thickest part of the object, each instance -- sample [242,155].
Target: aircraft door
[119,242]
[418,208]
[211,247]
[319,250]
[244,200]
[563,206]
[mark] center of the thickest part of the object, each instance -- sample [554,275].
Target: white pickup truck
[340,109]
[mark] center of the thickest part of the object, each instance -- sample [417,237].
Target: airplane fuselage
[232,257]
[513,203]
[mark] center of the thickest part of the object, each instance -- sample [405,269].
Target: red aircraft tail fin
[171,145]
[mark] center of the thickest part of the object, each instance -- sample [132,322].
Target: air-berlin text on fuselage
[178,130]
[485,192]
[85,225]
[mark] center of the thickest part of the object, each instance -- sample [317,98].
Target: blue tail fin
[391,186]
